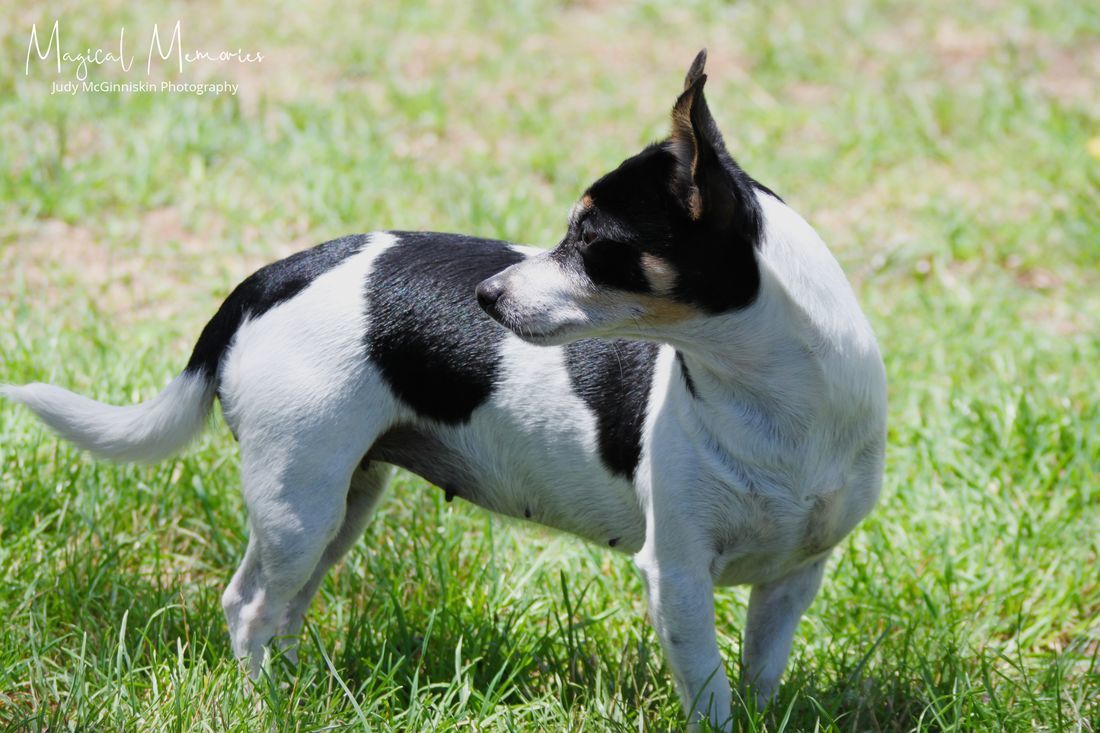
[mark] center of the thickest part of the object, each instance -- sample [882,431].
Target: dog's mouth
[538,337]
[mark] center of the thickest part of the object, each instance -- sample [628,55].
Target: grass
[940,149]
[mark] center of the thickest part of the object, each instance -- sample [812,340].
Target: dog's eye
[612,263]
[588,236]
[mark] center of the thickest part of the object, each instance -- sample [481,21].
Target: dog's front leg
[681,606]
[774,612]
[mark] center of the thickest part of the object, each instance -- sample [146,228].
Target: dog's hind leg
[774,612]
[367,485]
[297,496]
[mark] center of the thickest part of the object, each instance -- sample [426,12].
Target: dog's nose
[488,293]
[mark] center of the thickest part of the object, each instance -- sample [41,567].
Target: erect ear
[700,179]
[696,70]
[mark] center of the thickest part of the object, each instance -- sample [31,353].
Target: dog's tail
[148,431]
[159,427]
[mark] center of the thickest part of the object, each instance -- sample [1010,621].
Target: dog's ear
[700,180]
[696,70]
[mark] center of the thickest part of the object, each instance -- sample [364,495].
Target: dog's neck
[761,380]
[751,383]
[801,346]
[759,353]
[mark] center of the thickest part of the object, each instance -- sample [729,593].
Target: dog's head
[667,236]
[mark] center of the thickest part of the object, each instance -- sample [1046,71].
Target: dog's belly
[566,490]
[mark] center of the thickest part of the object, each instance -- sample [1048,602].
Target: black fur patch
[614,378]
[686,374]
[633,205]
[264,289]
[437,350]
[612,264]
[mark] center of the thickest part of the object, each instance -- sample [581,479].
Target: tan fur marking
[683,136]
[686,149]
[665,312]
[659,274]
[584,204]
[695,203]
[681,117]
[579,208]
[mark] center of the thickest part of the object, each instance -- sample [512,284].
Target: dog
[686,377]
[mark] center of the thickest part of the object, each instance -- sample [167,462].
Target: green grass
[940,149]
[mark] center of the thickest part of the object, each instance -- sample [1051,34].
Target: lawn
[942,149]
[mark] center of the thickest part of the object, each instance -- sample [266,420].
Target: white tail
[146,432]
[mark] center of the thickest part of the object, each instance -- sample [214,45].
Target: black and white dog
[686,377]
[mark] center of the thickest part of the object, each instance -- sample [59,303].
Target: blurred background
[949,154]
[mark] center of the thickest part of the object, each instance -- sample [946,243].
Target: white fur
[149,431]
